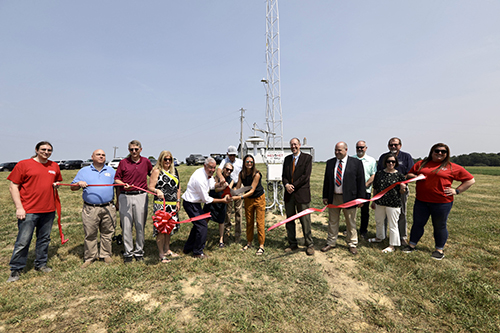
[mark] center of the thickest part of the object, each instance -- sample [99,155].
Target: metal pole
[241,131]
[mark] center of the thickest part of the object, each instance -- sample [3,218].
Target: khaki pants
[234,208]
[94,220]
[334,220]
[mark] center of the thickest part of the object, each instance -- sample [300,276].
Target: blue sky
[174,74]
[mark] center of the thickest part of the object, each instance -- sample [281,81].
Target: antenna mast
[274,117]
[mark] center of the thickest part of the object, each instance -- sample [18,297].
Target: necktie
[293,167]
[338,174]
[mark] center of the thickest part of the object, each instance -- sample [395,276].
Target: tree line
[476,159]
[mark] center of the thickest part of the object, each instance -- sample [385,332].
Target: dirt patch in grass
[352,295]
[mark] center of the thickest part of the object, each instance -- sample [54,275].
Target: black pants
[365,215]
[198,235]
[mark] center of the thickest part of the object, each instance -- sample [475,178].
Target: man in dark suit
[344,181]
[295,177]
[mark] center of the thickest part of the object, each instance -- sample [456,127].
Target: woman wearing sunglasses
[389,206]
[164,181]
[218,210]
[434,195]
[255,202]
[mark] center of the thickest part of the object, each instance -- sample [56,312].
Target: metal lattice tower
[274,117]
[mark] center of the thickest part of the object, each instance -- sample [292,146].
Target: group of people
[34,181]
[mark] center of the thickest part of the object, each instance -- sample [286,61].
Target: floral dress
[169,185]
[382,181]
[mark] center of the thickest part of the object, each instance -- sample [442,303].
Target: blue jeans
[43,224]
[439,213]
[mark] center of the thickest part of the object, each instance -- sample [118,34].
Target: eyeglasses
[393,144]
[167,159]
[360,148]
[249,162]
[45,149]
[230,170]
[134,149]
[440,151]
[390,161]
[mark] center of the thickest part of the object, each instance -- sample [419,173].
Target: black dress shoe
[327,248]
[291,248]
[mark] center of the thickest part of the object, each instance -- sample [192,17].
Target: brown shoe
[108,260]
[291,248]
[200,256]
[87,263]
[327,248]
[310,251]
[353,250]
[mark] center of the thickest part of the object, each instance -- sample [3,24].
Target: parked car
[7,166]
[60,163]
[72,164]
[153,161]
[218,157]
[87,162]
[114,162]
[195,159]
[176,162]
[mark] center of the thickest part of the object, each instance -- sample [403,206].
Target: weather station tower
[274,155]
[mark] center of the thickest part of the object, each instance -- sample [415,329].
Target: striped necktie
[338,174]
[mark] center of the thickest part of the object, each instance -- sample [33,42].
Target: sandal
[246,247]
[388,250]
[164,260]
[260,251]
[375,240]
[171,254]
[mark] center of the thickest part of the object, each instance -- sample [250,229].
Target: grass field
[235,291]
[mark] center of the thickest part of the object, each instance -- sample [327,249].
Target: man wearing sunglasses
[405,164]
[370,166]
[235,207]
[132,202]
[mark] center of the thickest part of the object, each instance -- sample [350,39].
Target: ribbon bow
[163,221]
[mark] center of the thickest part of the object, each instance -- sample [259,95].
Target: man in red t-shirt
[133,203]
[32,189]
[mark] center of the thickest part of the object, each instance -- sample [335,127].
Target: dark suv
[8,166]
[72,164]
[195,159]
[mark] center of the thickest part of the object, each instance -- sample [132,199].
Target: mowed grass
[235,291]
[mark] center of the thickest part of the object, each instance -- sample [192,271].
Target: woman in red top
[434,195]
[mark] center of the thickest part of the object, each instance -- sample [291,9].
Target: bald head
[98,158]
[340,150]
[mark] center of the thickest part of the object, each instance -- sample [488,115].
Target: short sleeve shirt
[36,184]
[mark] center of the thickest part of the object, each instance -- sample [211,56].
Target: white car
[114,162]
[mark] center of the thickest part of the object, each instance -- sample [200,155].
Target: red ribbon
[58,209]
[162,220]
[348,204]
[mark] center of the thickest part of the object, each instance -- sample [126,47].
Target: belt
[171,203]
[132,192]
[98,205]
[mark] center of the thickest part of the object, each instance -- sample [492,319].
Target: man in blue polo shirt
[99,212]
